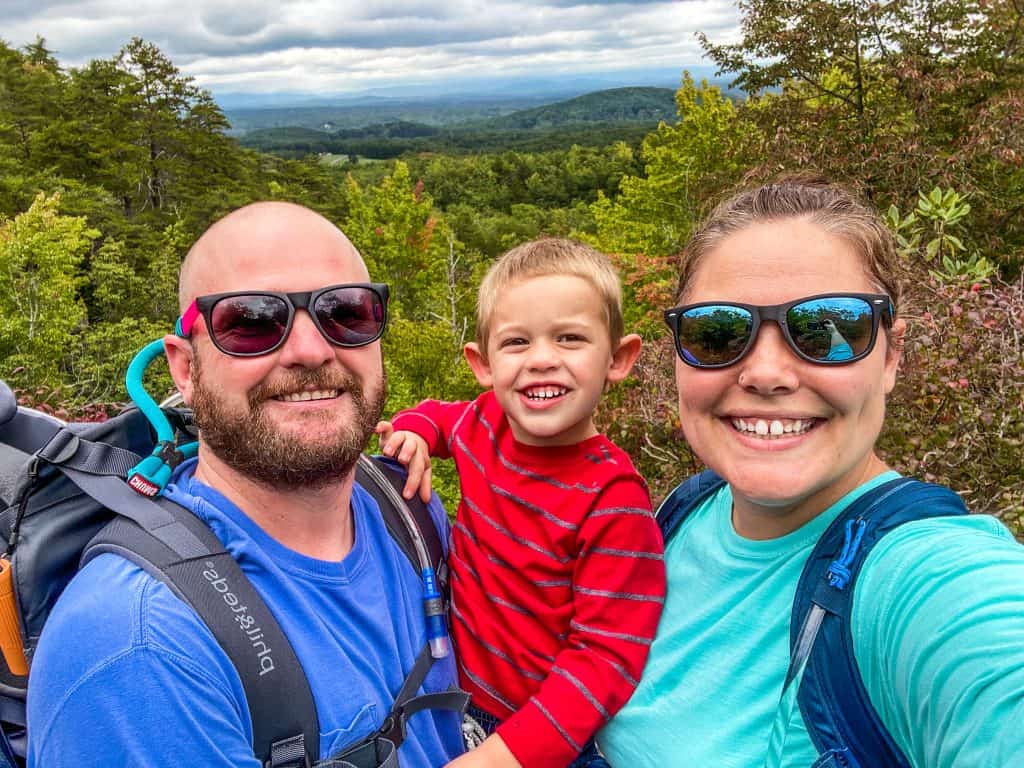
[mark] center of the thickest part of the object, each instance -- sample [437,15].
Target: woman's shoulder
[939,543]
[936,610]
[957,556]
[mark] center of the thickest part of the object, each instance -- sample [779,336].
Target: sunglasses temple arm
[183,327]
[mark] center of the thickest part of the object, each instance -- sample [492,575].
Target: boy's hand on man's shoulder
[411,451]
[491,754]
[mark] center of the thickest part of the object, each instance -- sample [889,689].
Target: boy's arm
[415,435]
[409,450]
[434,421]
[618,594]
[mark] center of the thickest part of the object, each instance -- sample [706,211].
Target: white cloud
[332,46]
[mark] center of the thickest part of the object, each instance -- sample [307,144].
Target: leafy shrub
[957,415]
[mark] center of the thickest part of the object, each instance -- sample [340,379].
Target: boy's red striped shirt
[557,577]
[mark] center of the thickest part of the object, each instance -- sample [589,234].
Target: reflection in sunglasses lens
[831,329]
[714,335]
[249,325]
[351,315]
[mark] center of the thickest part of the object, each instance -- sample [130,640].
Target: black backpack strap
[284,719]
[843,724]
[395,475]
[8,403]
[379,749]
[685,498]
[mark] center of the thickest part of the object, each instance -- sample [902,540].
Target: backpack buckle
[393,727]
[288,753]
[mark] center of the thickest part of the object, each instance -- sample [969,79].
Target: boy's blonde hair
[550,256]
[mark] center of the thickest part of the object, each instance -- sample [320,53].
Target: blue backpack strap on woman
[843,725]
[841,721]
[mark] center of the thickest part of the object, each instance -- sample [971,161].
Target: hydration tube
[433,603]
[150,476]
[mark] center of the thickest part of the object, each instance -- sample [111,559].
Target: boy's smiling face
[548,357]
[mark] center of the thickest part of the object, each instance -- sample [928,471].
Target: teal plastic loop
[150,476]
[137,391]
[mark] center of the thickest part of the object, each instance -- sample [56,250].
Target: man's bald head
[264,246]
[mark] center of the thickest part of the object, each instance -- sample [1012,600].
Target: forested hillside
[109,171]
[594,119]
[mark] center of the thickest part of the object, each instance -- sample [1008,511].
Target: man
[286,391]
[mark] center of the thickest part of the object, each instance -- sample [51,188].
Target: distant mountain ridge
[592,119]
[614,105]
[638,104]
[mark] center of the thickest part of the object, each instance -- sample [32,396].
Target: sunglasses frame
[879,303]
[203,305]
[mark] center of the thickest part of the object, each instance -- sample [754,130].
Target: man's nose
[305,345]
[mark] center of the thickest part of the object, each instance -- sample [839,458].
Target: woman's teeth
[773,428]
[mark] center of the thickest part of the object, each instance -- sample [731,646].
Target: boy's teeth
[545,393]
[773,428]
[319,394]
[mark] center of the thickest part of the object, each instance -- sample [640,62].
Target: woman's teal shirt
[938,625]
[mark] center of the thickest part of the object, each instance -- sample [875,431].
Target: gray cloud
[333,46]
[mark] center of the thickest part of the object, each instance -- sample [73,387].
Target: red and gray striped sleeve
[433,420]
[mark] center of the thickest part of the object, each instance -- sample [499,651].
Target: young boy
[556,560]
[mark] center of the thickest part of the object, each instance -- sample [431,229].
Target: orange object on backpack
[10,632]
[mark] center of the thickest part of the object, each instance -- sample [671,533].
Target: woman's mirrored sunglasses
[830,329]
[250,323]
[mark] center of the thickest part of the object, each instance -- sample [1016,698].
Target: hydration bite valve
[433,609]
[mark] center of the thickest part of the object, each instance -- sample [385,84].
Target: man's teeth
[545,393]
[318,394]
[773,428]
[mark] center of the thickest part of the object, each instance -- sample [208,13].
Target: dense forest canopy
[109,171]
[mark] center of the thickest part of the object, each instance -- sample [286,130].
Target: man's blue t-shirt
[128,674]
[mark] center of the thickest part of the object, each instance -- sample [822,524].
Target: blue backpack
[843,725]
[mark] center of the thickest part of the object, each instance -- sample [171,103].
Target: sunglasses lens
[833,329]
[351,315]
[713,335]
[248,325]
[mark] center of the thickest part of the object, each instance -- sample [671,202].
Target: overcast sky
[337,46]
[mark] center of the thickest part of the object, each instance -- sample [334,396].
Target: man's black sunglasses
[828,329]
[251,323]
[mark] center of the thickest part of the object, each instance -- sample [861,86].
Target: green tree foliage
[894,96]
[957,415]
[110,171]
[41,313]
[28,84]
[684,165]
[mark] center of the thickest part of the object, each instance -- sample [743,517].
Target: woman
[776,282]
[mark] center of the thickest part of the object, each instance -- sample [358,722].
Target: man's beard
[254,446]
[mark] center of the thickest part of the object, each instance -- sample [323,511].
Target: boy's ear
[623,357]
[478,363]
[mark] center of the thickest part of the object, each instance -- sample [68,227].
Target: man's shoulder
[121,662]
[112,606]
[438,515]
